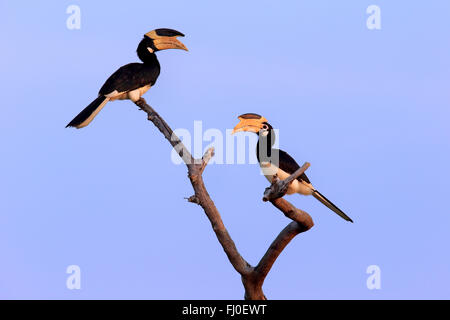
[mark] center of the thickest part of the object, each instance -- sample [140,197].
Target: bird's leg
[278,188]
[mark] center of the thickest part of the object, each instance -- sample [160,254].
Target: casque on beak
[166,39]
[249,124]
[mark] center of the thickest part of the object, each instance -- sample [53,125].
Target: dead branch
[278,188]
[252,277]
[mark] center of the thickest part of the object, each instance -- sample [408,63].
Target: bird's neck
[150,59]
[264,146]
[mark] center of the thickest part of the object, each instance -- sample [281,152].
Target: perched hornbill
[132,80]
[274,161]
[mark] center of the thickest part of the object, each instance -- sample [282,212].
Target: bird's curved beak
[252,125]
[163,42]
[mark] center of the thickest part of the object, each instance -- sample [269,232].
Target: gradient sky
[369,109]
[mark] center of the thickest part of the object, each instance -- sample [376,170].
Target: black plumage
[131,81]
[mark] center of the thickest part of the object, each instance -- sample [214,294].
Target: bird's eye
[265,126]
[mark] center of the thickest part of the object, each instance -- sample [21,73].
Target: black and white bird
[274,161]
[132,80]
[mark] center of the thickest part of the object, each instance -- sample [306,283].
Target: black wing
[288,164]
[130,77]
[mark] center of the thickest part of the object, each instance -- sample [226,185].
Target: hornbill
[274,161]
[132,80]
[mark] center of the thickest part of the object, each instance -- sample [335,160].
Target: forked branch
[252,277]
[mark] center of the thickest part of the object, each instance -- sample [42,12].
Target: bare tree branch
[252,277]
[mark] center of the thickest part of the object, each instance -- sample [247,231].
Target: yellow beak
[252,125]
[169,43]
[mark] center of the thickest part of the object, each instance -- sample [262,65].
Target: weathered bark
[252,277]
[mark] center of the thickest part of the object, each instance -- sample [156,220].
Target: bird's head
[162,39]
[253,122]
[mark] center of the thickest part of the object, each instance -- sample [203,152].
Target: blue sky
[368,109]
